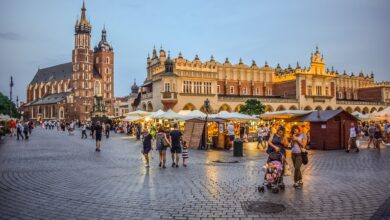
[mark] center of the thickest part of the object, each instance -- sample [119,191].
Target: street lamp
[206,107]
[11,84]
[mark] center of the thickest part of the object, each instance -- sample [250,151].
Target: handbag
[305,158]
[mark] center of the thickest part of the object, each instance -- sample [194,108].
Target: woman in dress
[162,144]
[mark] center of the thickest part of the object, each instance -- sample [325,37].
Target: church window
[106,70]
[232,90]
[107,60]
[257,91]
[97,88]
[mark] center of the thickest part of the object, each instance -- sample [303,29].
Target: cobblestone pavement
[56,176]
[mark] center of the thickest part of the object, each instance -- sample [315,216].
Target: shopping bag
[287,170]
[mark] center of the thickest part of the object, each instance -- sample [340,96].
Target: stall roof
[284,114]
[382,115]
[320,116]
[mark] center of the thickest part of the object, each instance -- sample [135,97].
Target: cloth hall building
[78,89]
[182,84]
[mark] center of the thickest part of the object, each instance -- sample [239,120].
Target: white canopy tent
[283,114]
[133,118]
[168,115]
[4,117]
[382,115]
[232,116]
[156,114]
[361,116]
[192,114]
[139,113]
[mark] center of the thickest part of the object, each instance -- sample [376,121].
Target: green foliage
[252,107]
[5,105]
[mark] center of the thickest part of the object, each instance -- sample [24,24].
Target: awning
[283,114]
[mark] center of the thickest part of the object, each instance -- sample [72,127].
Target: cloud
[9,36]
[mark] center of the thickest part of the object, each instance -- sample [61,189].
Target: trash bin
[237,148]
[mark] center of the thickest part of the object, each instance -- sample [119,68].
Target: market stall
[383,115]
[329,129]
[360,116]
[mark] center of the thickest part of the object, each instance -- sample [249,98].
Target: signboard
[323,126]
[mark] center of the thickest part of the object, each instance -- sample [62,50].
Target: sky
[353,35]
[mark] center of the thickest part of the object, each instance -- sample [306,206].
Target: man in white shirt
[230,129]
[260,136]
[352,138]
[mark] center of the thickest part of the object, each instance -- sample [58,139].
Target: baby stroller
[273,178]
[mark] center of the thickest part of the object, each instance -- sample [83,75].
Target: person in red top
[12,126]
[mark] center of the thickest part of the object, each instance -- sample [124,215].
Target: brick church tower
[93,72]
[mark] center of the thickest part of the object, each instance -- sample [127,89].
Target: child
[185,153]
[147,146]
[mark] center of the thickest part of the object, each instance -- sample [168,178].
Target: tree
[5,105]
[252,107]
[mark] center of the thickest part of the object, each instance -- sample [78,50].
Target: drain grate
[220,161]
[263,207]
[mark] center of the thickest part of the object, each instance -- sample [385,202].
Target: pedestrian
[230,129]
[185,154]
[30,127]
[19,130]
[98,130]
[25,130]
[162,143]
[371,132]
[12,126]
[377,137]
[93,129]
[108,127]
[242,131]
[298,145]
[147,146]
[138,131]
[260,136]
[277,143]
[84,131]
[352,138]
[175,141]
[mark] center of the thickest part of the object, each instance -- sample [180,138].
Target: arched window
[97,88]
[107,60]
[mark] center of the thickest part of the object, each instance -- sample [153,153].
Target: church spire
[83,25]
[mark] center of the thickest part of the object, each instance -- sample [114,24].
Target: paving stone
[56,176]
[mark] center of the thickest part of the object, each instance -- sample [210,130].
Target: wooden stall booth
[194,132]
[329,129]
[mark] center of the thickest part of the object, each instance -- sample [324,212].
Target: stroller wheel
[275,190]
[282,186]
[269,186]
[260,189]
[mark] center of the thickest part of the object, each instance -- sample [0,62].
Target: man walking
[175,140]
[371,132]
[19,130]
[98,134]
[84,131]
[108,127]
[352,138]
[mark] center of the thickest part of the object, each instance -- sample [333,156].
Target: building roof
[321,116]
[53,73]
[50,99]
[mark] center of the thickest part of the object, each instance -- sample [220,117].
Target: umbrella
[4,117]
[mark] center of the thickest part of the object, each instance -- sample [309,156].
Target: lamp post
[206,107]
[11,84]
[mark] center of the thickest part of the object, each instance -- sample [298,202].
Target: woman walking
[162,145]
[98,131]
[298,144]
[277,143]
[147,146]
[377,137]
